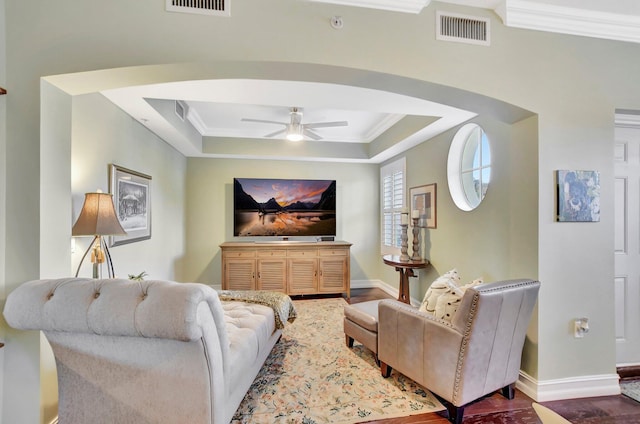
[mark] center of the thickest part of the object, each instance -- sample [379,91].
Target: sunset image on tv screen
[284,207]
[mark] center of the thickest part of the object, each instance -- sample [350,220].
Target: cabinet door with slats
[303,276]
[239,274]
[272,274]
[333,275]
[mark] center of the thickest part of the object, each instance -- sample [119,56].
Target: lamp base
[98,257]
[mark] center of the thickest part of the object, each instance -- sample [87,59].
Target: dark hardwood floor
[497,409]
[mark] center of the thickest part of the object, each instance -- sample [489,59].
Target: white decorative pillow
[448,303]
[473,283]
[443,284]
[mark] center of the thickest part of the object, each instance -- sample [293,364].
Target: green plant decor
[138,277]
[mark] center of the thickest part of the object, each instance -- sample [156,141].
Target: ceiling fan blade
[311,134]
[263,121]
[273,134]
[327,124]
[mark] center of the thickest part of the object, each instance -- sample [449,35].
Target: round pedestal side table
[405,268]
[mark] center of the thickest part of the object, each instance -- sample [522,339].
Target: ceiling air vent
[200,7]
[180,109]
[462,29]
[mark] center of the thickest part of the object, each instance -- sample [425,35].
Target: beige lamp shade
[98,217]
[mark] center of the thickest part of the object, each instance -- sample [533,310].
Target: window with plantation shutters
[392,196]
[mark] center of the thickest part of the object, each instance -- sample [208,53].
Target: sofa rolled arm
[154,309]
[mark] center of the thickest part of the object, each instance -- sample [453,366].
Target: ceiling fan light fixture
[295,132]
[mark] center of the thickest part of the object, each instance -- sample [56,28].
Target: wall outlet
[580,327]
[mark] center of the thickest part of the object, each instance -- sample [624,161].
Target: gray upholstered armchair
[476,354]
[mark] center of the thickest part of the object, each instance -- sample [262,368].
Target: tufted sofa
[145,352]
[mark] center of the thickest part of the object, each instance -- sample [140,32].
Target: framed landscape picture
[578,196]
[423,200]
[132,199]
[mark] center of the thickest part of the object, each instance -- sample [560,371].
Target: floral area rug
[312,377]
[631,389]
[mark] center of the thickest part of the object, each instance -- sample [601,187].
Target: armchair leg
[509,391]
[385,370]
[349,341]
[455,413]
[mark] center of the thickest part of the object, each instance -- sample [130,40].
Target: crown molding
[533,15]
[406,6]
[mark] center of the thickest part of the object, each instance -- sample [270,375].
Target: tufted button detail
[96,295]
[50,296]
[144,296]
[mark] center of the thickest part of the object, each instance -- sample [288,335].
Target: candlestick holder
[416,241]
[404,256]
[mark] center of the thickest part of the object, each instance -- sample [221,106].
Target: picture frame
[423,199]
[578,196]
[131,192]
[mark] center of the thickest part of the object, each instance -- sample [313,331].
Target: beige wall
[210,209]
[103,134]
[496,241]
[573,84]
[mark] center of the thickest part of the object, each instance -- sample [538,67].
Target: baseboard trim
[568,388]
[390,290]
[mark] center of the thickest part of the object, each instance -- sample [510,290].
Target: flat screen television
[283,207]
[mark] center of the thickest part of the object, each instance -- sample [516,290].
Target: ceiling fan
[295,130]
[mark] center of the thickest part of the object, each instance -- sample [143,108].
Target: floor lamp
[98,218]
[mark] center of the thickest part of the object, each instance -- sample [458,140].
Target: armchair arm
[418,345]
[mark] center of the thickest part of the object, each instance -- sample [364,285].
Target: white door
[627,240]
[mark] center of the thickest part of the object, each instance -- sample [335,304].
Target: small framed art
[132,199]
[578,196]
[423,205]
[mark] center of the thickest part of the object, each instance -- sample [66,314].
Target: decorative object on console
[2,91]
[416,236]
[97,218]
[132,193]
[578,196]
[423,200]
[404,238]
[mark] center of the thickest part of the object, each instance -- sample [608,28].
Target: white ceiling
[215,109]
[216,119]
